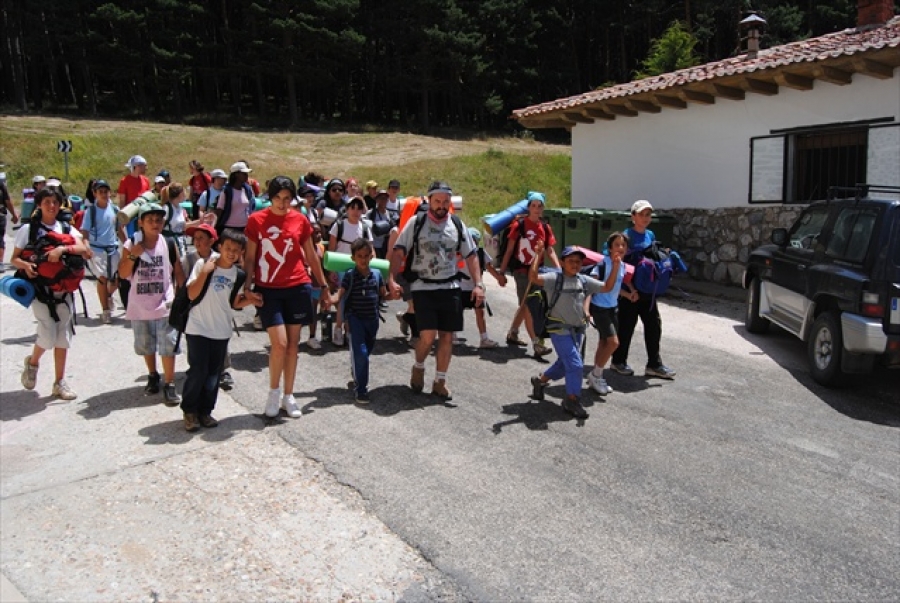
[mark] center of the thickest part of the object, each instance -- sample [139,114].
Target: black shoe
[152,386]
[537,388]
[573,407]
[226,382]
[208,421]
[170,395]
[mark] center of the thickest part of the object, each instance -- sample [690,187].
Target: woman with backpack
[45,240]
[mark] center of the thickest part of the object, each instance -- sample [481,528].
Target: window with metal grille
[824,159]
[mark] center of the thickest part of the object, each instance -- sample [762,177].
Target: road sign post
[65,147]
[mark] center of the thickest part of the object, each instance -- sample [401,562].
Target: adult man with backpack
[427,251]
[49,253]
[102,232]
[522,238]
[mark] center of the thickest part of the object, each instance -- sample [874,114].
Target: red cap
[207,228]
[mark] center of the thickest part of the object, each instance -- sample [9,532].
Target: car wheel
[753,322]
[824,349]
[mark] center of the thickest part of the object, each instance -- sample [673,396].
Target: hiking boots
[439,388]
[191,422]
[540,349]
[537,388]
[170,395]
[29,374]
[573,407]
[417,379]
[153,381]
[62,391]
[512,338]
[226,381]
[208,421]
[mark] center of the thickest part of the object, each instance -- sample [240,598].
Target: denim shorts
[154,337]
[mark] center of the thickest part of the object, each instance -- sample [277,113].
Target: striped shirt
[363,293]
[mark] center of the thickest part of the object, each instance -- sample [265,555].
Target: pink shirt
[152,289]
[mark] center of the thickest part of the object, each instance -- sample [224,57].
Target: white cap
[38,179]
[218,173]
[53,182]
[240,166]
[3,176]
[135,160]
[640,205]
[159,179]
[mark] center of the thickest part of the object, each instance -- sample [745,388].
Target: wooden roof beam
[540,124]
[761,86]
[671,102]
[621,110]
[833,75]
[729,92]
[795,81]
[696,96]
[577,117]
[643,106]
[597,113]
[872,68]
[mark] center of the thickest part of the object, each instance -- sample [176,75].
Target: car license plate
[895,311]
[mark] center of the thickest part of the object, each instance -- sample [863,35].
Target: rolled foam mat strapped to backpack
[339,262]
[17,289]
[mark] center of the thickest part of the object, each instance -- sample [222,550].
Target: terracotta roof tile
[842,43]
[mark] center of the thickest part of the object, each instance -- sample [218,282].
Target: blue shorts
[291,306]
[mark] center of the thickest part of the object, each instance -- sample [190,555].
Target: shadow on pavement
[254,361]
[172,432]
[20,404]
[102,405]
[386,401]
[28,340]
[534,414]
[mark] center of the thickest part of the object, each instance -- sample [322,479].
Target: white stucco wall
[700,156]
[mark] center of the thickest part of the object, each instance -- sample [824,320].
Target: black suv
[833,280]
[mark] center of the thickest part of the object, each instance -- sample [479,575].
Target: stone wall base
[715,243]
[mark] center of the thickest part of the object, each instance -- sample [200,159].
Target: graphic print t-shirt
[279,248]
[152,290]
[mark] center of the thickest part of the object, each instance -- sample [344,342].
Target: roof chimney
[873,13]
[753,26]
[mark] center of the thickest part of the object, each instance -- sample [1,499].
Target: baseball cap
[135,160]
[98,184]
[207,228]
[151,208]
[536,196]
[163,173]
[53,182]
[38,180]
[640,205]
[218,173]
[306,190]
[394,184]
[357,201]
[572,250]
[439,186]
[159,179]
[240,166]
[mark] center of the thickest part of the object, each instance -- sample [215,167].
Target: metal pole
[66,154]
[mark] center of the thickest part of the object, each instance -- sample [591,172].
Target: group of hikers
[224,242]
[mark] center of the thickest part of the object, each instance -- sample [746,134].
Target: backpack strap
[239,281]
[226,209]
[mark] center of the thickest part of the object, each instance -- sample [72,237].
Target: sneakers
[661,371]
[290,406]
[540,349]
[404,326]
[62,390]
[29,374]
[622,369]
[313,343]
[208,421]
[512,338]
[226,381]
[337,338]
[191,422]
[573,407]
[488,344]
[106,317]
[152,387]
[417,379]
[170,395]
[439,388]
[537,388]
[598,384]
[362,398]
[257,323]
[273,403]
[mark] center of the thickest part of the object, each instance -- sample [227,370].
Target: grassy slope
[491,174]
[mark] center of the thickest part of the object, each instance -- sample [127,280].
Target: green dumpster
[554,218]
[578,225]
[608,221]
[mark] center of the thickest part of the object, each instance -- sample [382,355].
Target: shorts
[466,299]
[606,321]
[105,264]
[438,310]
[291,306]
[52,334]
[154,336]
[521,284]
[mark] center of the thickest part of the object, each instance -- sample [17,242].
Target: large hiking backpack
[505,241]
[539,303]
[52,278]
[653,269]
[408,273]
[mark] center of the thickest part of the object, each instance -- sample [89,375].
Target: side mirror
[780,236]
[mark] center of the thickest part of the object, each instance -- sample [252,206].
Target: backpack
[92,210]
[514,262]
[64,276]
[653,270]
[408,273]
[229,197]
[173,256]
[539,304]
[182,304]
[340,230]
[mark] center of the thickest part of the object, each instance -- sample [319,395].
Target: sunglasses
[336,189]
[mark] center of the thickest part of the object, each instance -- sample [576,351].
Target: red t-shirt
[132,187]
[199,183]
[279,248]
[254,186]
[534,232]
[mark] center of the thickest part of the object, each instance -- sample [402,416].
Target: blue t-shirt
[609,299]
[637,241]
[363,293]
[103,233]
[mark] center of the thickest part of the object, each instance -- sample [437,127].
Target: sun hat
[572,250]
[381,192]
[640,205]
[218,173]
[38,180]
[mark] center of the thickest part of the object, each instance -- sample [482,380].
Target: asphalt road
[740,479]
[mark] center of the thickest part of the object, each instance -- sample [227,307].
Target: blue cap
[536,196]
[572,250]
